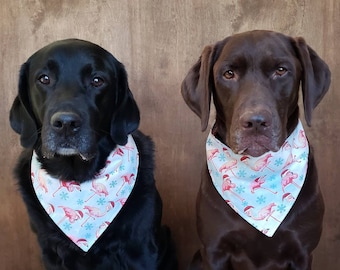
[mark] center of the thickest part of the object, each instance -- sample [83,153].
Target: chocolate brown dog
[254,78]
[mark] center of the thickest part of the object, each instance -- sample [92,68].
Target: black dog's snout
[66,122]
[256,121]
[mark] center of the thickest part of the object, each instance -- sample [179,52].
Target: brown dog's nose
[66,122]
[256,121]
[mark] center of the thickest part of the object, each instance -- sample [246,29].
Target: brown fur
[254,79]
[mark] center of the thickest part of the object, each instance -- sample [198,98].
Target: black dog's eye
[229,74]
[280,71]
[97,81]
[44,79]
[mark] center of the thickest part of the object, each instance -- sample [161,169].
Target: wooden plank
[158,41]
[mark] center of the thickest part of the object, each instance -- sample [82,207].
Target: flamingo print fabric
[83,211]
[262,189]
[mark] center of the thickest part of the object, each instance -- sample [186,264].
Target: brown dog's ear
[197,86]
[316,77]
[21,115]
[126,118]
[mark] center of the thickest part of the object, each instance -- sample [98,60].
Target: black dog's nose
[256,120]
[66,122]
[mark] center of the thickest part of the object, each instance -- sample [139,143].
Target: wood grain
[158,41]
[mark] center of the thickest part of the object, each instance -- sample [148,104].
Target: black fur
[108,113]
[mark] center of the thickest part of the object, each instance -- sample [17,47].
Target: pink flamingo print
[118,152]
[287,178]
[286,146]
[302,140]
[229,166]
[265,231]
[226,151]
[70,186]
[260,164]
[264,214]
[79,241]
[102,228]
[102,171]
[211,155]
[257,184]
[107,176]
[50,209]
[42,181]
[71,214]
[122,201]
[98,189]
[228,185]
[129,148]
[127,180]
[94,212]
[288,197]
[291,159]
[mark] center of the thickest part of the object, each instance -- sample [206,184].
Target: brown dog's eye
[44,79]
[97,81]
[229,74]
[280,71]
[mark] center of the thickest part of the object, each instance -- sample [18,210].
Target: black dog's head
[73,95]
[254,78]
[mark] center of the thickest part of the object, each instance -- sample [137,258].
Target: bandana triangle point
[84,211]
[262,189]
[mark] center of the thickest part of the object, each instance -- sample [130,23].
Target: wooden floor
[158,41]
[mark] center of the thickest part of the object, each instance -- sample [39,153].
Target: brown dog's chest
[244,247]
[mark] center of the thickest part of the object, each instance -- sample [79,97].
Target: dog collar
[84,211]
[262,189]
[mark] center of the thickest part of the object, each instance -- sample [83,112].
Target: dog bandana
[262,189]
[83,211]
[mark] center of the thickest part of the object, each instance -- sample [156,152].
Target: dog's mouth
[255,150]
[254,141]
[80,145]
[66,151]
[62,151]
[255,146]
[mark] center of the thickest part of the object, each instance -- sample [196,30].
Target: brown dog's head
[73,95]
[254,78]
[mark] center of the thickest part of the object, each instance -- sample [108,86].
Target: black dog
[254,79]
[73,109]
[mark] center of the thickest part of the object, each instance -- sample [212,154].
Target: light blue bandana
[84,211]
[262,189]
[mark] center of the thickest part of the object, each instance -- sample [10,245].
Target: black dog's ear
[316,77]
[126,119]
[21,115]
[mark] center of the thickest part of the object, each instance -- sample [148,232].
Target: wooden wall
[158,41]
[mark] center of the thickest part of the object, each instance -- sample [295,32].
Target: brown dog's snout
[66,122]
[256,121]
